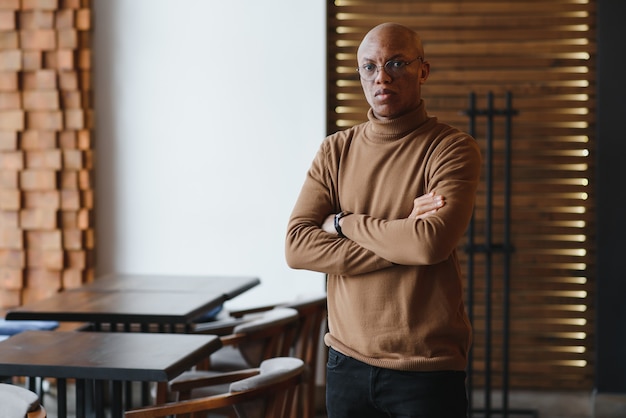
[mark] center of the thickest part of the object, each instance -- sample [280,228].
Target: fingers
[426,205]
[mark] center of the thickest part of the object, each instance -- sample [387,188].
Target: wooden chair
[312,312]
[264,392]
[246,346]
[19,402]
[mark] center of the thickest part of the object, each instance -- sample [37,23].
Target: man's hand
[426,205]
[329,224]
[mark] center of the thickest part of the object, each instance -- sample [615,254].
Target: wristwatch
[337,218]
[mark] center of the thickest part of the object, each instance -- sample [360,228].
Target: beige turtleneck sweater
[394,284]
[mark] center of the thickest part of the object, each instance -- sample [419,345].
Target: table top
[226,286]
[123,356]
[127,299]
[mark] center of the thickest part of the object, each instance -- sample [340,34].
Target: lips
[383,94]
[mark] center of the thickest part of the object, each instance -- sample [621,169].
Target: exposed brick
[35,219]
[10,100]
[44,240]
[32,60]
[84,180]
[9,179]
[39,4]
[90,239]
[73,219]
[74,119]
[38,140]
[89,119]
[9,39]
[8,140]
[11,278]
[11,238]
[38,180]
[41,99]
[84,80]
[12,258]
[87,199]
[45,259]
[48,159]
[7,20]
[10,199]
[48,199]
[68,180]
[67,39]
[62,59]
[70,4]
[40,80]
[83,19]
[36,19]
[11,120]
[10,60]
[76,259]
[73,239]
[10,4]
[40,284]
[9,219]
[12,160]
[73,159]
[71,99]
[10,298]
[8,81]
[84,59]
[39,39]
[85,219]
[68,80]
[67,140]
[73,278]
[84,140]
[70,199]
[65,18]
[45,120]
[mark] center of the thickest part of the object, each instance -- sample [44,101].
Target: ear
[424,72]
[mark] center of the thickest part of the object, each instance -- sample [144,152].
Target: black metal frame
[488,249]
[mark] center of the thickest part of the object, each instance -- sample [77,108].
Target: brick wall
[46,148]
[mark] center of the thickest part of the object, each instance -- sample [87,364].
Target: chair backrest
[19,402]
[312,312]
[266,395]
[270,335]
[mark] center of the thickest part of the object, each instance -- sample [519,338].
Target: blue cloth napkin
[12,327]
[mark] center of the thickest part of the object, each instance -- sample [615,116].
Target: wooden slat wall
[46,153]
[542,52]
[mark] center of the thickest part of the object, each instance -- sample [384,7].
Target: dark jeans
[358,390]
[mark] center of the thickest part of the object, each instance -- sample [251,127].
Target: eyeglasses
[395,68]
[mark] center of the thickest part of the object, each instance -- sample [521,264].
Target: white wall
[208,114]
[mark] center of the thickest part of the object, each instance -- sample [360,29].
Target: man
[381,211]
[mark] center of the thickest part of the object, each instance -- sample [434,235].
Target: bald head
[393,36]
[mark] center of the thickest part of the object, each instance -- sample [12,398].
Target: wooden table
[142,300]
[101,358]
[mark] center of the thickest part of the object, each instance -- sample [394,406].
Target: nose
[382,76]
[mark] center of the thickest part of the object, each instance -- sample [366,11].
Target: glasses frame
[384,66]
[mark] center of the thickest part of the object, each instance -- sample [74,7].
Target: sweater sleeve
[453,171]
[310,247]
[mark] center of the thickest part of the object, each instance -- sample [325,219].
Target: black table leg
[99,398]
[62,398]
[81,398]
[117,405]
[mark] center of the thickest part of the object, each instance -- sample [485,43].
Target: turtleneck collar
[392,129]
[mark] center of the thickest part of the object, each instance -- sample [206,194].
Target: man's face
[392,96]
